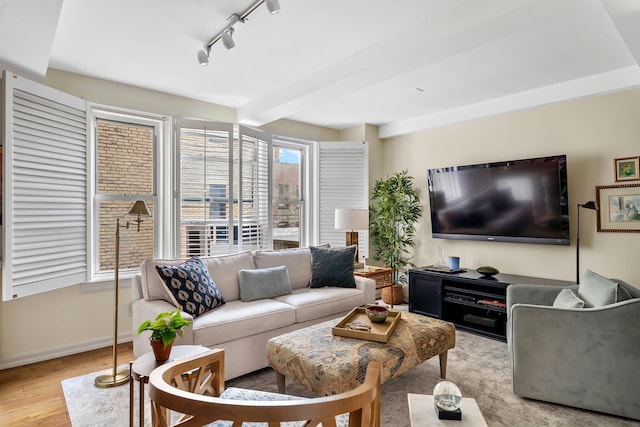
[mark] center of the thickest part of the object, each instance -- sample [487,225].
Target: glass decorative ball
[447,396]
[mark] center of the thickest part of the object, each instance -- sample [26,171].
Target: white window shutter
[45,189]
[342,182]
[255,189]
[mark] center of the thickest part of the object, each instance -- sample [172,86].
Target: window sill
[104,283]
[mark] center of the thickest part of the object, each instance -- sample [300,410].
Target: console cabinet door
[425,295]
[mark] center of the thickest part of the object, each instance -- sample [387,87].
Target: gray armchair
[583,357]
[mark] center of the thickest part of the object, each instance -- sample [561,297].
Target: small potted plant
[164,330]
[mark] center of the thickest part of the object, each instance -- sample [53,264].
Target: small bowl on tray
[377,313]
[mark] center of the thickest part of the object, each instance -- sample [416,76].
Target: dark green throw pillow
[332,267]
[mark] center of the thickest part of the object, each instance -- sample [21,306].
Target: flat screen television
[522,201]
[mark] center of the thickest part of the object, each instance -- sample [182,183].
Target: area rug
[479,366]
[90,406]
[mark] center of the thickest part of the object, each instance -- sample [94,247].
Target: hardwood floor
[31,395]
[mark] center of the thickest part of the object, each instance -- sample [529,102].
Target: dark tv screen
[521,201]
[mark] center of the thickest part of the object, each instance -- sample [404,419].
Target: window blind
[45,188]
[342,183]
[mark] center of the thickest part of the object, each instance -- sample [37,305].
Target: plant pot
[392,294]
[161,352]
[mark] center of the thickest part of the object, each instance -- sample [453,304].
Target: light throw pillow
[264,283]
[567,299]
[596,290]
[192,286]
[332,267]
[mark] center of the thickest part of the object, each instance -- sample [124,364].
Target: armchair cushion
[234,393]
[567,299]
[191,285]
[597,291]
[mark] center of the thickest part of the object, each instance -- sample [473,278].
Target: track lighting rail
[227,32]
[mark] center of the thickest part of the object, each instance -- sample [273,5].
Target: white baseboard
[62,351]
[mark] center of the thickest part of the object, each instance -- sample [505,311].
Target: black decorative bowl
[487,270]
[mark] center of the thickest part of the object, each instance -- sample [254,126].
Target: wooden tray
[380,332]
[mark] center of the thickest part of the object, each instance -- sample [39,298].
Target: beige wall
[591,132]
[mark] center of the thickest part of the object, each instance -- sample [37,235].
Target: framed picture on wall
[626,169]
[619,208]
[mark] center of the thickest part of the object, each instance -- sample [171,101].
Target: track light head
[203,56]
[273,6]
[227,39]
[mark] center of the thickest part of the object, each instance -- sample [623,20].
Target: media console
[473,302]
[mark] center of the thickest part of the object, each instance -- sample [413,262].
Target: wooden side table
[141,368]
[382,275]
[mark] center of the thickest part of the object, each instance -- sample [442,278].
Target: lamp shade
[139,208]
[590,205]
[352,219]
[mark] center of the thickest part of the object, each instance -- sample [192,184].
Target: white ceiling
[404,65]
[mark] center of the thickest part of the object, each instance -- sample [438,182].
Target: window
[211,191]
[224,200]
[289,219]
[217,201]
[125,147]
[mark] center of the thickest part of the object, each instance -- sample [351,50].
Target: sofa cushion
[313,304]
[596,290]
[263,283]
[153,287]
[191,286]
[224,271]
[332,267]
[237,319]
[567,299]
[297,261]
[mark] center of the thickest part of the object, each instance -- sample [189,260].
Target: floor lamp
[589,205]
[352,219]
[117,376]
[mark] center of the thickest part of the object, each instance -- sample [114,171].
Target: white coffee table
[422,413]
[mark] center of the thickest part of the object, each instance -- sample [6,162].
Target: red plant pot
[160,351]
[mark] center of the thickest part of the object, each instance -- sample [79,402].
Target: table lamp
[352,219]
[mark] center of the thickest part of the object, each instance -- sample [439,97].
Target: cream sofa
[243,328]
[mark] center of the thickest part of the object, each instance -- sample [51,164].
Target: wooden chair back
[191,386]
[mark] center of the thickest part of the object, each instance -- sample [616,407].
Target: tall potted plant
[395,208]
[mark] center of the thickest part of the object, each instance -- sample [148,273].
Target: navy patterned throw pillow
[192,286]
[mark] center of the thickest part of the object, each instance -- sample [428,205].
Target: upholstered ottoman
[328,364]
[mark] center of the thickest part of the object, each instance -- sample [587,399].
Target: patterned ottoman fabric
[328,364]
[234,393]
